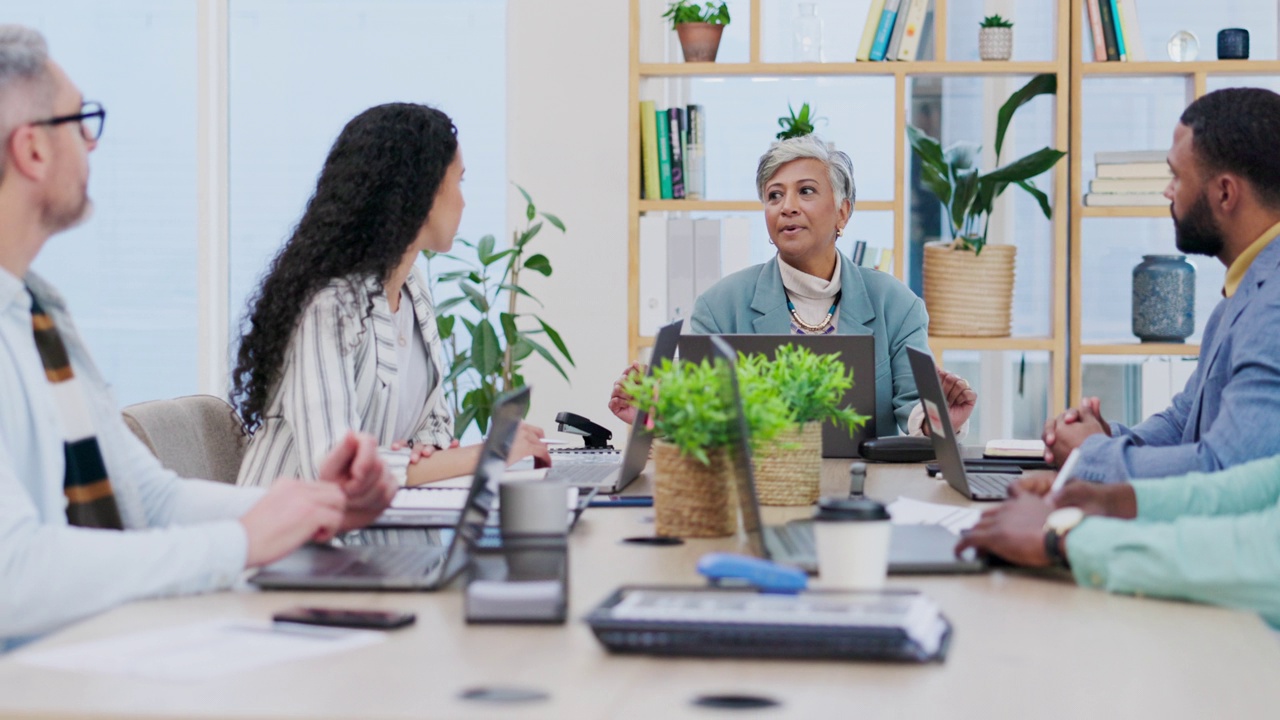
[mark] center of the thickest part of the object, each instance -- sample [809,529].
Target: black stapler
[595,437]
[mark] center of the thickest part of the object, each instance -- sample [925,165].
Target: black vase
[1233,44]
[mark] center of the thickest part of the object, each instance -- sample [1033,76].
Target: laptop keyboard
[990,485]
[797,541]
[384,537]
[584,474]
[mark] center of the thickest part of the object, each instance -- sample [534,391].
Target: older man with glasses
[88,518]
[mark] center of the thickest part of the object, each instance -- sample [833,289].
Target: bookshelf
[1195,75]
[1055,343]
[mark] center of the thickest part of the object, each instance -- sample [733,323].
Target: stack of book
[876,258]
[672,152]
[681,258]
[895,30]
[1136,177]
[1114,27]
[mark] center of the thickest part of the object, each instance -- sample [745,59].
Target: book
[1125,200]
[1014,448]
[1128,185]
[859,252]
[1135,170]
[680,260]
[884,30]
[1130,156]
[1108,29]
[735,245]
[651,185]
[1132,32]
[653,273]
[1095,30]
[915,19]
[899,28]
[664,153]
[1115,18]
[706,254]
[695,153]
[676,141]
[869,29]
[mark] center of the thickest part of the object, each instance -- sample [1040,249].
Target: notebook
[857,352]
[408,567]
[913,549]
[973,485]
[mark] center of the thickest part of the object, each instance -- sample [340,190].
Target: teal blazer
[873,303]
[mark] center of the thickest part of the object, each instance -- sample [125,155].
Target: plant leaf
[486,352]
[485,249]
[449,304]
[962,156]
[546,354]
[539,264]
[520,291]
[1039,195]
[1027,167]
[528,200]
[555,221]
[1043,84]
[966,189]
[527,235]
[498,256]
[555,340]
[509,330]
[478,300]
[444,325]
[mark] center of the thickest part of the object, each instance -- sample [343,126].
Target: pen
[1064,474]
[622,501]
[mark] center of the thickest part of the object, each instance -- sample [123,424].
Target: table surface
[1024,645]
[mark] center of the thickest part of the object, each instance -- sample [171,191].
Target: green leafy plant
[811,385]
[688,405]
[500,340]
[684,11]
[954,177]
[995,21]
[796,125]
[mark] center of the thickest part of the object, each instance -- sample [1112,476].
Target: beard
[59,216]
[1196,232]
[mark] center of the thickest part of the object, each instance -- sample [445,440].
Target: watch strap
[1053,549]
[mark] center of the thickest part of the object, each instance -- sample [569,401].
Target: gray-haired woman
[811,288]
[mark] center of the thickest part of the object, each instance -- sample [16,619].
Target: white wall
[567,69]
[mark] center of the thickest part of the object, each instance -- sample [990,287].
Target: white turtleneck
[811,295]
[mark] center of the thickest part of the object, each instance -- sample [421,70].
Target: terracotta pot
[968,294]
[699,41]
[691,499]
[789,469]
[995,43]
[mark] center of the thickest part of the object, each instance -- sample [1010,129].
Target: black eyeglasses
[91,117]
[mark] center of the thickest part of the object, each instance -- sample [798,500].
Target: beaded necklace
[826,322]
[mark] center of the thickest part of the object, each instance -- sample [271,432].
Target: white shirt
[417,373]
[51,573]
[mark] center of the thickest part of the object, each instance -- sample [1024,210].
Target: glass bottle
[808,33]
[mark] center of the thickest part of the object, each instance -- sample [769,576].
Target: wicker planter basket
[789,470]
[691,499]
[969,295]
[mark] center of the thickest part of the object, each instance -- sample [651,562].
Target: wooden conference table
[1024,646]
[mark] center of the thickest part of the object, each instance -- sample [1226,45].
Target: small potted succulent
[795,124]
[995,38]
[699,28]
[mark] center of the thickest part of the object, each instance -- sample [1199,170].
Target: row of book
[682,258]
[672,152]
[1114,27]
[872,257]
[1126,179]
[895,30]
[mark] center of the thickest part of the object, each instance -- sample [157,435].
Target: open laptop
[913,549]
[607,473]
[973,485]
[408,567]
[857,352]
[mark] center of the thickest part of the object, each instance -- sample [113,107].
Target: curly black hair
[373,196]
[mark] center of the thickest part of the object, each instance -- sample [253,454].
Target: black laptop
[408,567]
[913,549]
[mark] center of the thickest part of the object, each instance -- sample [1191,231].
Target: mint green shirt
[1206,537]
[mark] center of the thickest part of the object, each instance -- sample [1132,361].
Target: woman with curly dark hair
[342,334]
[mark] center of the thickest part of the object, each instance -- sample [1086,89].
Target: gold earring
[839,231]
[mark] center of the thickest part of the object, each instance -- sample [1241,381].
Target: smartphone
[342,617]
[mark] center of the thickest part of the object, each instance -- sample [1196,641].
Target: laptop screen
[664,348]
[739,459]
[945,446]
[507,413]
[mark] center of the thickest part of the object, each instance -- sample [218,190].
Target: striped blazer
[340,373]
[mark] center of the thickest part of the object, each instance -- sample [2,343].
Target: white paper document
[464,481]
[435,497]
[905,511]
[200,651]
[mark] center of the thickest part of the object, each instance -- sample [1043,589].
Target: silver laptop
[408,567]
[857,352]
[975,486]
[604,471]
[913,549]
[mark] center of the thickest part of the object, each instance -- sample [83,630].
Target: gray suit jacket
[752,301]
[1227,413]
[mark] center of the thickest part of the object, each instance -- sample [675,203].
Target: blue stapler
[728,568]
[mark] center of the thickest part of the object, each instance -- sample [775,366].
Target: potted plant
[488,361]
[699,28]
[968,284]
[995,38]
[788,468]
[794,124]
[693,424]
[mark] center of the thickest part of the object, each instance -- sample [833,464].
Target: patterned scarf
[90,500]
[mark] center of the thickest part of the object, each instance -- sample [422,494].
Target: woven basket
[969,295]
[789,469]
[691,499]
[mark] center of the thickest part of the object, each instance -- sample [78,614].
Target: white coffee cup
[533,507]
[852,536]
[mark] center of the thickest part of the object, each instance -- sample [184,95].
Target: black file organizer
[527,579]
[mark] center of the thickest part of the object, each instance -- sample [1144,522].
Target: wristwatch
[1056,526]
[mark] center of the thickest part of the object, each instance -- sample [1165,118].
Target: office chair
[197,436]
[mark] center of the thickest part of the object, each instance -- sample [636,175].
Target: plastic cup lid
[845,509]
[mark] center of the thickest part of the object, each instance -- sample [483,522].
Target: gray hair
[24,61]
[781,152]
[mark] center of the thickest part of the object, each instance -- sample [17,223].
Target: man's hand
[961,398]
[1035,484]
[1013,530]
[355,467]
[291,513]
[528,442]
[1118,501]
[619,401]
[1067,431]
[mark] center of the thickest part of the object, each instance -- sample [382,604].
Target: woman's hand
[419,451]
[961,399]
[528,442]
[620,401]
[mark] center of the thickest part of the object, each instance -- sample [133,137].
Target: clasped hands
[1070,429]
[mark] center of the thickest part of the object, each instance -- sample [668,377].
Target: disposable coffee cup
[533,508]
[852,536]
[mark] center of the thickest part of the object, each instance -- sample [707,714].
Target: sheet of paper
[200,651]
[434,497]
[906,511]
[464,481]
